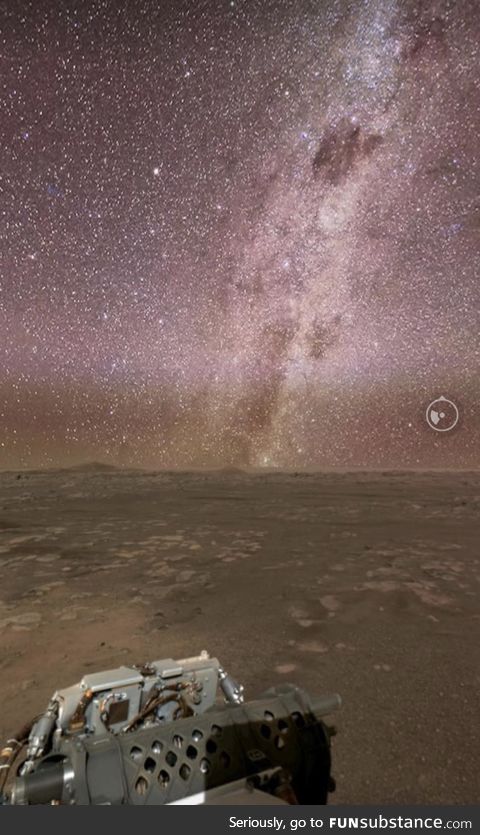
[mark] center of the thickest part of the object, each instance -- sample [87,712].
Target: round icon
[442,415]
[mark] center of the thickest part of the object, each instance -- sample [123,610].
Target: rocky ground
[362,584]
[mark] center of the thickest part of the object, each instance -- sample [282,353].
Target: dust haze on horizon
[104,468]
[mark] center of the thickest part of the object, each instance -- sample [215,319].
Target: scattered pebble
[312,646]
[285,668]
[330,603]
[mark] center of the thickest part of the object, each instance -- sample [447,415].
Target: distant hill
[231,471]
[91,467]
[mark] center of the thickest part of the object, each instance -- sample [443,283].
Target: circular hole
[184,771]
[298,719]
[163,778]
[279,742]
[204,766]
[211,746]
[192,752]
[150,765]
[171,758]
[136,753]
[269,716]
[216,730]
[178,741]
[282,726]
[265,731]
[225,759]
[157,747]
[197,735]
[141,786]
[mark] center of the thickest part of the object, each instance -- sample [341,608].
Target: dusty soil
[362,584]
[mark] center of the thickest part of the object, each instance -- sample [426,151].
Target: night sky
[239,233]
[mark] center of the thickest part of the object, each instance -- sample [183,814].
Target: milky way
[239,233]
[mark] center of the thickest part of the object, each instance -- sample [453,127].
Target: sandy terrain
[367,585]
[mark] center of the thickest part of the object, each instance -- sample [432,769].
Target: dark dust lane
[362,584]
